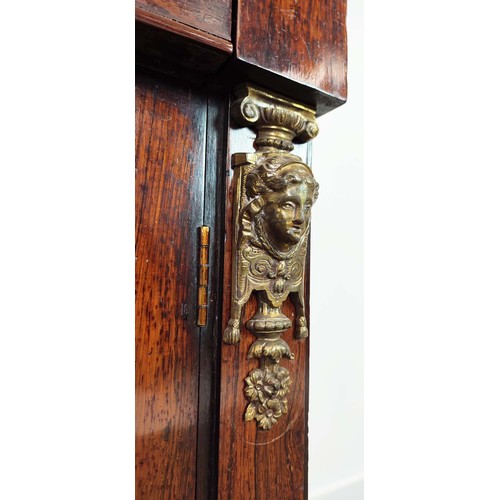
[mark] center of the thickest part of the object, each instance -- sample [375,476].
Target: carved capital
[277,120]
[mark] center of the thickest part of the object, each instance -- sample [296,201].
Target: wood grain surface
[255,464]
[214,216]
[210,17]
[170,149]
[304,41]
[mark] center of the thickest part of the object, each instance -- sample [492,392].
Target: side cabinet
[227,95]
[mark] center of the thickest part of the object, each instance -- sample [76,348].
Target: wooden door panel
[170,127]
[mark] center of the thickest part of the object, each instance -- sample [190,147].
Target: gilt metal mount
[274,193]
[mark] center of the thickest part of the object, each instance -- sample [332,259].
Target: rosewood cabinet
[224,90]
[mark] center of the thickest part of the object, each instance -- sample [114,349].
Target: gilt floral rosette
[266,389]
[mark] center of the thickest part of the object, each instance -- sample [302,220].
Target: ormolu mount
[274,193]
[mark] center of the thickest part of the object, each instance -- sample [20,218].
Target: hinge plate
[203,271]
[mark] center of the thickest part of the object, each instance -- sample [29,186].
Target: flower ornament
[268,414]
[259,386]
[266,390]
[283,381]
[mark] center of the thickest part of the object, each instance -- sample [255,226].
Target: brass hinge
[203,267]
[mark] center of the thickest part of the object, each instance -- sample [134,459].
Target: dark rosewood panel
[214,217]
[168,51]
[170,130]
[208,21]
[255,464]
[304,41]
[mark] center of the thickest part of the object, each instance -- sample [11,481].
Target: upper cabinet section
[297,48]
[205,21]
[304,41]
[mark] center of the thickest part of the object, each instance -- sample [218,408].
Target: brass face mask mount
[274,193]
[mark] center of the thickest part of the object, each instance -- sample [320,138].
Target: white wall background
[336,373]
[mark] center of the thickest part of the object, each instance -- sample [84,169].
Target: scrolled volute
[278,121]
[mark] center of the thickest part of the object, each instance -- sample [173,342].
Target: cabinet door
[171,128]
